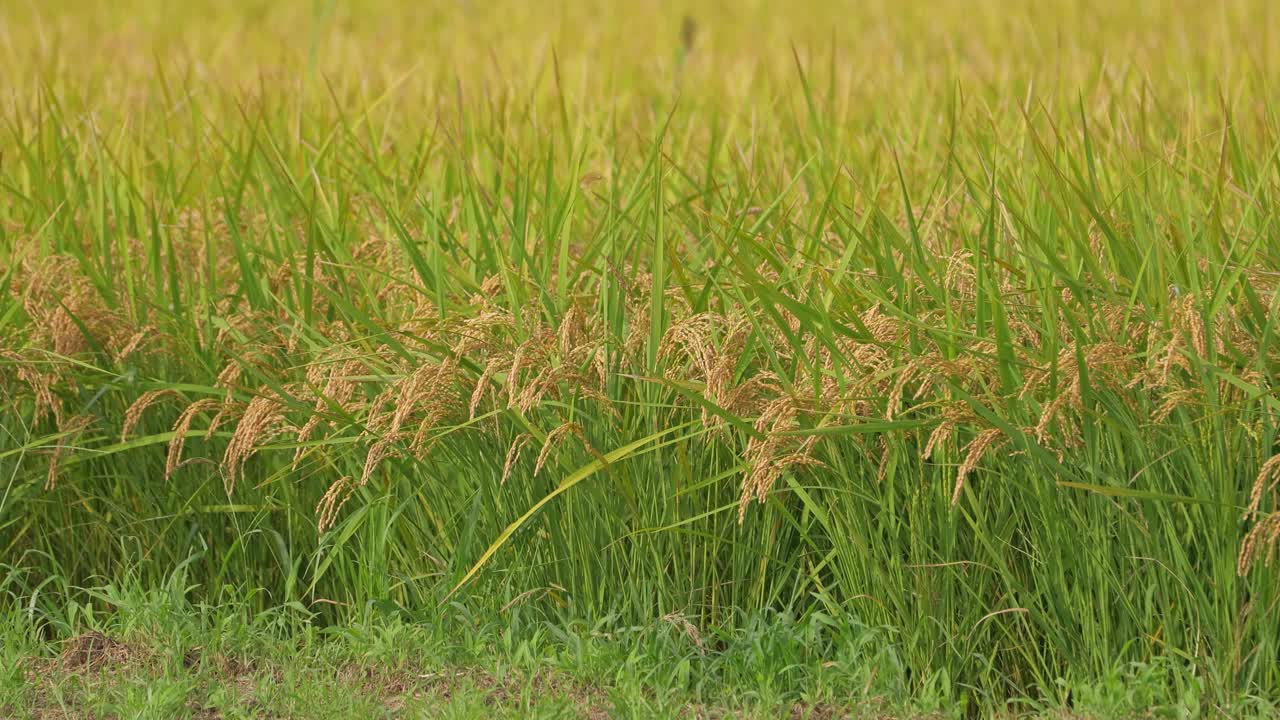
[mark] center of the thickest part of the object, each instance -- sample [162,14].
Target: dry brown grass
[94,651]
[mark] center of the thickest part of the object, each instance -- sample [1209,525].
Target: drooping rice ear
[977,447]
[513,454]
[133,415]
[1259,544]
[332,501]
[180,431]
[554,439]
[261,419]
[1267,480]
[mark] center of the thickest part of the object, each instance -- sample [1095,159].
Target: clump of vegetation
[956,324]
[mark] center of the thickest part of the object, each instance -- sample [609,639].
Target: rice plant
[953,321]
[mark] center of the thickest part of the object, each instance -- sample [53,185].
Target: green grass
[152,654]
[951,325]
[155,655]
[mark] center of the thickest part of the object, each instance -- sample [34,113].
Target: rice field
[947,330]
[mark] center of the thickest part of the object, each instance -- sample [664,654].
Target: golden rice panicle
[133,343]
[261,419]
[537,388]
[47,403]
[338,389]
[600,365]
[513,454]
[229,377]
[68,337]
[774,467]
[490,288]
[484,332]
[381,449]
[713,344]
[977,447]
[1174,400]
[748,398]
[1259,544]
[1268,478]
[180,431]
[884,329]
[532,353]
[938,437]
[303,435]
[761,452]
[441,399]
[428,386]
[428,391]
[332,501]
[513,372]
[961,275]
[1051,411]
[694,337]
[952,416]
[906,375]
[573,333]
[882,467]
[1190,321]
[774,453]
[225,410]
[133,415]
[491,369]
[554,439]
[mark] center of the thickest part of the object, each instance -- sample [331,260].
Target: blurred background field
[920,356]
